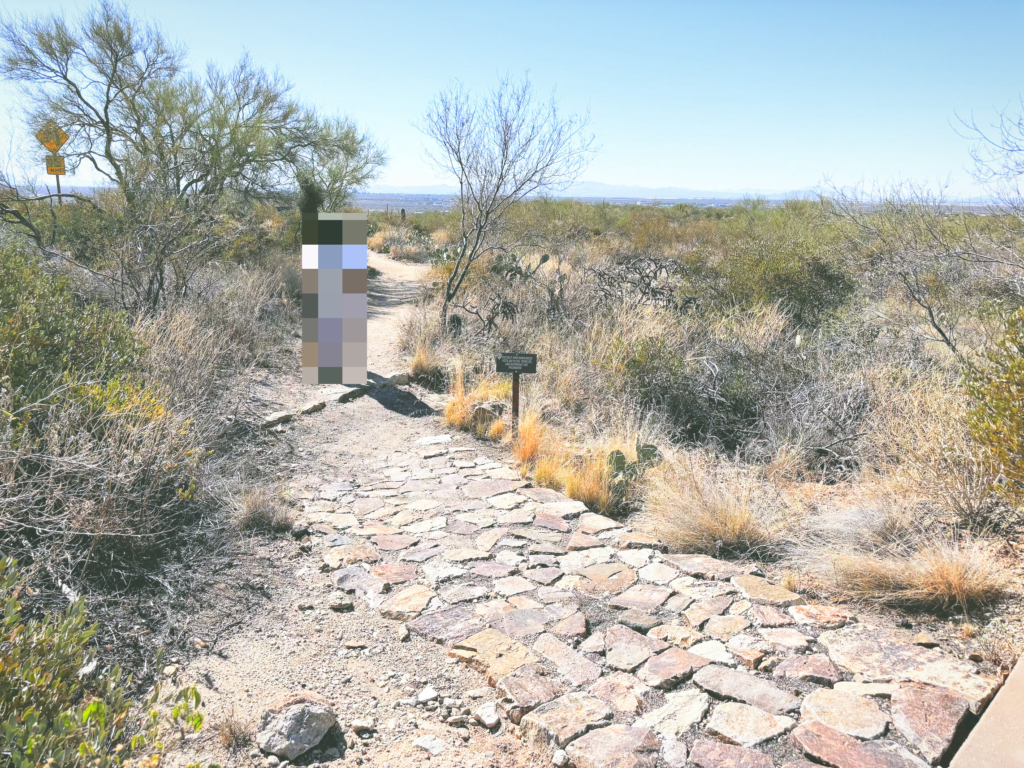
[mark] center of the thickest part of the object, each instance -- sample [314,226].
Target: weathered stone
[740,607]
[407,604]
[582,541]
[763,592]
[527,688]
[486,540]
[671,667]
[340,522]
[439,571]
[831,747]
[507,500]
[365,506]
[312,407]
[394,573]
[886,655]
[641,621]
[448,626]
[684,637]
[724,627]
[846,712]
[430,743]
[290,731]
[626,649]
[572,626]
[881,690]
[785,638]
[566,508]
[545,496]
[575,562]
[492,570]
[703,610]
[678,603]
[420,526]
[513,585]
[617,746]
[464,555]
[573,666]
[484,489]
[340,557]
[928,718]
[518,516]
[644,597]
[623,691]
[733,684]
[394,542]
[463,593]
[658,573]
[422,554]
[634,558]
[536,535]
[825,616]
[637,540]
[492,653]
[817,668]
[715,754]
[543,576]
[706,567]
[564,719]
[552,521]
[593,523]
[278,417]
[748,649]
[678,714]
[606,578]
[714,650]
[374,529]
[520,622]
[593,644]
[745,725]
[767,616]
[673,753]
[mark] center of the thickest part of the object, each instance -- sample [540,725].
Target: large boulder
[294,725]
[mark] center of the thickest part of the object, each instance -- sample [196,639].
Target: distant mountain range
[617,191]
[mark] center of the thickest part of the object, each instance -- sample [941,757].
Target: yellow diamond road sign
[55,165]
[51,136]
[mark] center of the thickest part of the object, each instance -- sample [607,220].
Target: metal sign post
[53,138]
[515,363]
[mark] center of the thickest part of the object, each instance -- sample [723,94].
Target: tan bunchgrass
[694,508]
[426,365]
[375,241]
[529,438]
[458,411]
[497,430]
[939,574]
[586,479]
[234,733]
[261,510]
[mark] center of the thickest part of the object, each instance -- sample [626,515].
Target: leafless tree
[501,148]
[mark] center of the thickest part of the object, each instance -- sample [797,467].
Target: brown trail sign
[515,363]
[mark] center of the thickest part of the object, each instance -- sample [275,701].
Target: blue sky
[714,95]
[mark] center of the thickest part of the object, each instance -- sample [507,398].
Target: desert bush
[57,708]
[994,416]
[261,510]
[694,506]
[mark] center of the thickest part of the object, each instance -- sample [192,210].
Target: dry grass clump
[234,734]
[261,510]
[695,507]
[939,574]
[529,438]
[426,366]
[461,406]
[375,242]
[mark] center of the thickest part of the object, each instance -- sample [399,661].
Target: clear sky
[714,95]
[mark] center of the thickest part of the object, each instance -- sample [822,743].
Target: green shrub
[45,331]
[55,709]
[996,416]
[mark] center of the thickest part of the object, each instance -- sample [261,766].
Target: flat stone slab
[746,726]
[493,570]
[605,579]
[527,688]
[817,668]
[684,637]
[701,611]
[724,627]
[928,718]
[671,667]
[394,573]
[350,554]
[407,604]
[638,620]
[643,597]
[593,523]
[824,616]
[617,746]
[463,593]
[545,496]
[626,649]
[637,540]
[678,714]
[715,754]
[492,653]
[484,489]
[513,585]
[706,567]
[520,622]
[422,554]
[732,684]
[465,555]
[507,500]
[747,649]
[845,712]
[485,541]
[767,616]
[715,650]
[514,517]
[374,529]
[885,655]
[448,626]
[543,576]
[763,592]
[551,521]
[575,562]
[567,508]
[394,542]
[365,506]
[831,747]
[562,720]
[785,638]
[572,626]
[623,691]
[657,573]
[573,666]
[583,541]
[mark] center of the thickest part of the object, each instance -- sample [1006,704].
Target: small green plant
[623,474]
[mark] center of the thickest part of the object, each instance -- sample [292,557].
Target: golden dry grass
[426,366]
[530,435]
[939,574]
[375,241]
[694,508]
[497,430]
[458,411]
[260,510]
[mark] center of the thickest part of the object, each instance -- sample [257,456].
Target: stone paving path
[605,650]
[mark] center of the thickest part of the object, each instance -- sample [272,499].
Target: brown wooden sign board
[513,362]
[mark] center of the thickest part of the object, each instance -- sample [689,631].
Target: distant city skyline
[775,96]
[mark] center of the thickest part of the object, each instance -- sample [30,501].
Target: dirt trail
[425,579]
